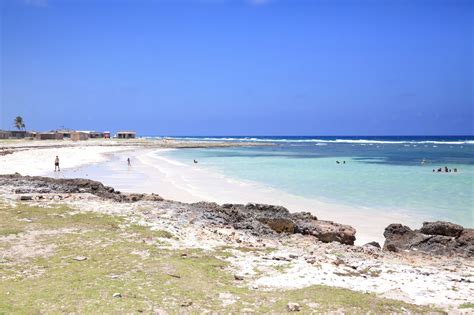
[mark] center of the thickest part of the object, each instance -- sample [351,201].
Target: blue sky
[223,67]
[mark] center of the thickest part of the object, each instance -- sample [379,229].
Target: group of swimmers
[445,170]
[343,162]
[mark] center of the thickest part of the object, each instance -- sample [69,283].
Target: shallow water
[380,174]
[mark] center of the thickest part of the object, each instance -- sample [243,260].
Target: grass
[146,232]
[148,277]
[466,305]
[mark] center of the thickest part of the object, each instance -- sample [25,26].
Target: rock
[400,237]
[186,303]
[293,307]
[80,258]
[441,228]
[239,277]
[117,295]
[444,238]
[373,244]
[42,185]
[466,237]
[25,198]
[279,225]
[327,231]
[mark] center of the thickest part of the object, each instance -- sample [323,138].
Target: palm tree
[19,124]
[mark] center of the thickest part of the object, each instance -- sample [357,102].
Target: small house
[106,134]
[79,136]
[126,134]
[49,136]
[20,134]
[96,134]
[4,134]
[65,132]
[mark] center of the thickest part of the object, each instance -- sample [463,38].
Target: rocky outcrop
[441,228]
[264,219]
[260,219]
[438,238]
[47,185]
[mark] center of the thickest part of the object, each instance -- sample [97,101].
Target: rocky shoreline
[430,266]
[437,238]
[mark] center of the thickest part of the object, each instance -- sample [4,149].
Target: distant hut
[49,136]
[106,134]
[79,136]
[126,134]
[21,134]
[96,135]
[4,134]
[65,132]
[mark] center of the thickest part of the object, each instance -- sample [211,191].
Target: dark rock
[238,277]
[44,185]
[279,225]
[400,237]
[327,231]
[436,238]
[441,228]
[25,198]
[466,237]
[373,244]
[293,307]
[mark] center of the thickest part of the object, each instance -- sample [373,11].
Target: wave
[320,141]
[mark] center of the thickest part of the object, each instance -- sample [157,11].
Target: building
[20,134]
[126,135]
[4,134]
[66,133]
[79,136]
[106,134]
[96,135]
[49,136]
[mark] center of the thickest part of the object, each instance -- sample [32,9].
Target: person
[455,170]
[343,162]
[56,164]
[446,169]
[338,162]
[129,162]
[195,162]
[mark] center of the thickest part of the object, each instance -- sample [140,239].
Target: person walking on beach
[56,164]
[129,162]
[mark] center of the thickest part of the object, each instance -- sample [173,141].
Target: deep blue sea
[379,173]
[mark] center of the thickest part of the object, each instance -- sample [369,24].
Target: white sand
[41,161]
[191,182]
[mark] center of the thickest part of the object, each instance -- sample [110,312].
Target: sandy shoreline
[105,161]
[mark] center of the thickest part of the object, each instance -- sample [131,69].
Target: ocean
[380,174]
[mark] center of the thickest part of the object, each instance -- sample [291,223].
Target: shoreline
[187,183]
[87,219]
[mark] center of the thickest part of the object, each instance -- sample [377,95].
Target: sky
[239,67]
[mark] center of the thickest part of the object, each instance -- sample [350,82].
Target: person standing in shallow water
[129,162]
[56,164]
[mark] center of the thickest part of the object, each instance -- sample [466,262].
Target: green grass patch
[146,232]
[147,277]
[467,305]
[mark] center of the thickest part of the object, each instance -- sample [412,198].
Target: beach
[158,166]
[170,217]
[153,172]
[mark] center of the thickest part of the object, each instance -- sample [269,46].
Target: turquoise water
[383,175]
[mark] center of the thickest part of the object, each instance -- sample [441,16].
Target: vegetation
[19,123]
[77,262]
[467,305]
